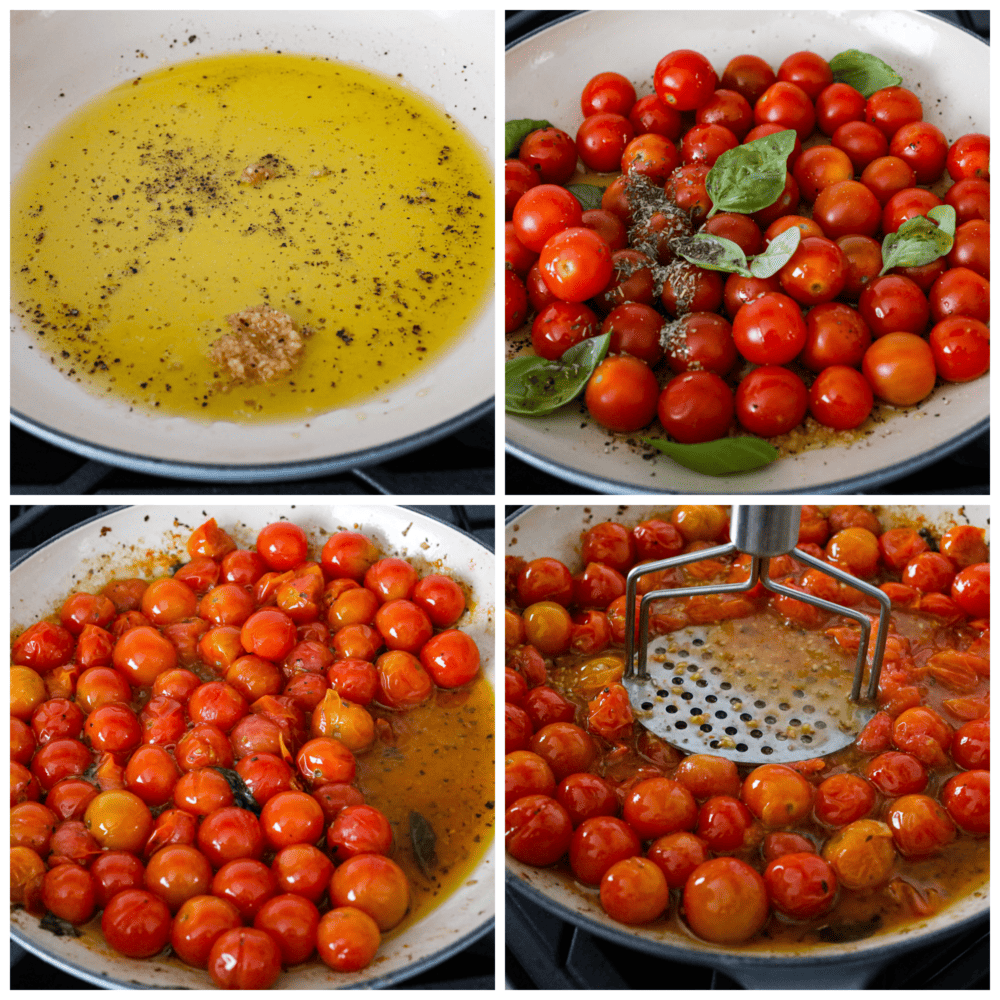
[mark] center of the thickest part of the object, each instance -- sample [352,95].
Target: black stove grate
[547,953]
[460,464]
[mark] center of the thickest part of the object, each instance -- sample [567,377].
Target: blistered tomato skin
[131,718]
[773,850]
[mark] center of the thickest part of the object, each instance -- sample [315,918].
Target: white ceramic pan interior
[946,67]
[86,557]
[555,531]
[61,59]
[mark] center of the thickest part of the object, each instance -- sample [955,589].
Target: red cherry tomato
[622,394]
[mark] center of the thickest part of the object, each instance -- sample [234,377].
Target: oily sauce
[132,237]
[783,657]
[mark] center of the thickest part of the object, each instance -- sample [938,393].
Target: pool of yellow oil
[132,238]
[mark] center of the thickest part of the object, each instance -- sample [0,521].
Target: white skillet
[86,556]
[555,531]
[949,69]
[60,59]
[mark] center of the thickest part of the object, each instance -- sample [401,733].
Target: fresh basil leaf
[945,217]
[715,253]
[864,72]
[535,387]
[777,254]
[723,457]
[917,242]
[752,176]
[515,132]
[588,195]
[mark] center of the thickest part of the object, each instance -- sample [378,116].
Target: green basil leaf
[945,217]
[515,132]
[752,176]
[917,242]
[588,195]
[777,254]
[723,457]
[864,72]
[535,387]
[715,253]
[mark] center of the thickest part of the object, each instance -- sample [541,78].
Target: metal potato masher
[735,699]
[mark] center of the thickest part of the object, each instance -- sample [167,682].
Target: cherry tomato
[658,806]
[920,826]
[776,794]
[622,393]
[244,959]
[560,326]
[550,154]
[770,330]
[836,105]
[893,304]
[292,922]
[771,400]
[861,854]
[725,901]
[696,406]
[601,141]
[966,797]
[890,108]
[538,830]
[836,334]
[199,923]
[634,891]
[566,748]
[347,939]
[451,658]
[246,883]
[749,76]
[845,208]
[900,368]
[802,886]
[923,147]
[684,80]
[136,923]
[840,397]
[544,211]
[970,590]
[635,329]
[724,823]
[575,264]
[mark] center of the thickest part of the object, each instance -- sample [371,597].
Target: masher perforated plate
[726,690]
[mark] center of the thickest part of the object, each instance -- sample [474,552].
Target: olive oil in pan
[134,234]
